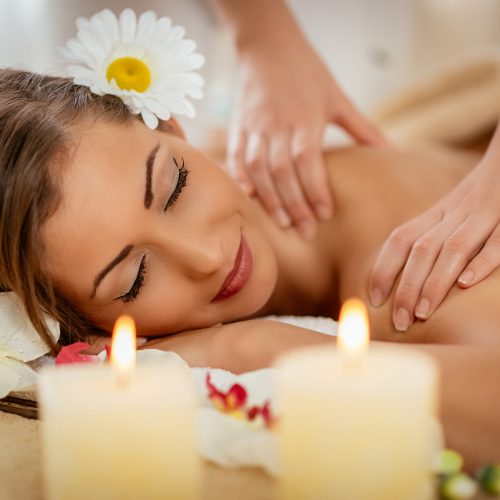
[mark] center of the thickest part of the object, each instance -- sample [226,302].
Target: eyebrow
[121,256]
[148,194]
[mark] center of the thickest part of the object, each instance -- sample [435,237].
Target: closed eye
[132,294]
[181,183]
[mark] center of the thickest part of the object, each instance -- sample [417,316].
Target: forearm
[238,347]
[470,375]
[257,23]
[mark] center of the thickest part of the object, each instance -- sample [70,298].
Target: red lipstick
[239,275]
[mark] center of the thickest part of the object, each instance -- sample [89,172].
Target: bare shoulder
[466,316]
[379,167]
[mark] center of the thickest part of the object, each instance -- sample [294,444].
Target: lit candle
[357,423]
[123,348]
[115,432]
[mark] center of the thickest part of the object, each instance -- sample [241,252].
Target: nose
[199,256]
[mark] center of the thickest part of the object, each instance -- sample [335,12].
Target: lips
[239,275]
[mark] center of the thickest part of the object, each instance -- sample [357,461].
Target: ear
[172,126]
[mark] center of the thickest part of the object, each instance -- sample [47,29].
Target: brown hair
[38,118]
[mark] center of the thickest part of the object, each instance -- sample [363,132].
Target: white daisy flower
[145,61]
[19,343]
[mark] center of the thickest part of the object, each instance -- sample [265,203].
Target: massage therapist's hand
[286,97]
[455,241]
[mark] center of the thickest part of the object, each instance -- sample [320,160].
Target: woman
[101,216]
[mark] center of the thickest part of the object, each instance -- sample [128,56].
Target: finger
[360,128]
[423,255]
[308,159]
[256,160]
[458,248]
[484,263]
[236,160]
[286,182]
[394,254]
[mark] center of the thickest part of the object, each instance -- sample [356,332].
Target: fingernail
[423,308]
[402,320]
[141,340]
[376,297]
[466,277]
[323,211]
[306,229]
[282,217]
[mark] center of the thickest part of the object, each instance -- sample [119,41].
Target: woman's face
[151,227]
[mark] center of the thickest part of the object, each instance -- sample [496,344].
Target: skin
[457,240]
[275,152]
[275,138]
[191,249]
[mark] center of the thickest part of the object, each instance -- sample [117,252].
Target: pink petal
[71,354]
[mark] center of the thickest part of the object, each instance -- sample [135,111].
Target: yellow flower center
[129,73]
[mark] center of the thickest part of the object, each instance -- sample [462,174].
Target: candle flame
[353,335]
[123,344]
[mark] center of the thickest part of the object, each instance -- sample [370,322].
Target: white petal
[184,48]
[77,53]
[149,119]
[82,23]
[145,27]
[106,23]
[231,442]
[70,55]
[95,49]
[8,380]
[157,42]
[128,25]
[158,357]
[190,111]
[177,33]
[26,376]
[158,108]
[18,338]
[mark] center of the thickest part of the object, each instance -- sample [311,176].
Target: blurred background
[374,47]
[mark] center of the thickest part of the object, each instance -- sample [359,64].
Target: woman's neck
[307,282]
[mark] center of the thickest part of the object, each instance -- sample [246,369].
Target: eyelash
[181,182]
[133,293]
[136,287]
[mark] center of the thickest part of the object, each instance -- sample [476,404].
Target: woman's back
[375,191]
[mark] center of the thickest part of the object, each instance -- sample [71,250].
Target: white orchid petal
[18,337]
[231,442]
[8,380]
[26,376]
[128,25]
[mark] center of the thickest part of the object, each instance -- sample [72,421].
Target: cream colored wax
[109,438]
[357,429]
